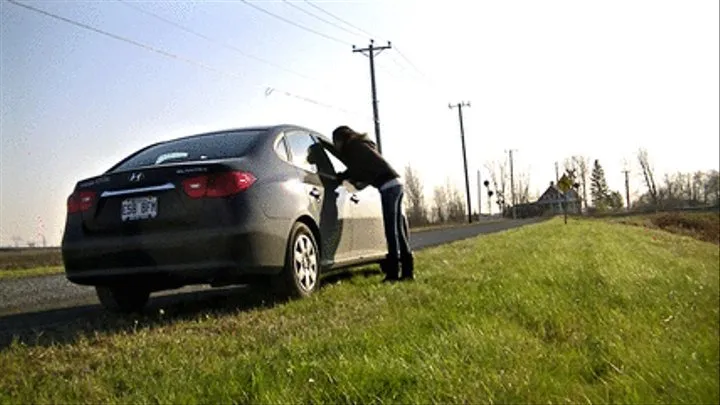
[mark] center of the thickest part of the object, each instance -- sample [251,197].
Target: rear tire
[122,299]
[300,276]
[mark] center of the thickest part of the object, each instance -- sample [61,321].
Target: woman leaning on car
[366,165]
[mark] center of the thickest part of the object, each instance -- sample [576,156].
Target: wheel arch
[310,223]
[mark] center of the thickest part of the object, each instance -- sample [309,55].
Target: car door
[368,228]
[366,217]
[327,202]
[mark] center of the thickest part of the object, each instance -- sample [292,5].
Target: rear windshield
[204,147]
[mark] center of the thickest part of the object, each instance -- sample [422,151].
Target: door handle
[315,193]
[354,198]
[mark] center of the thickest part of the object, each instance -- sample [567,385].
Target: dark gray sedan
[250,205]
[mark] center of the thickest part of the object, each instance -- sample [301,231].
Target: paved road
[42,304]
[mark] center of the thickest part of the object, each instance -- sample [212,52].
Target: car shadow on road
[68,325]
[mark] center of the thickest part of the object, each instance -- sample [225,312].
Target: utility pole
[627,188]
[479,195]
[512,185]
[370,52]
[462,138]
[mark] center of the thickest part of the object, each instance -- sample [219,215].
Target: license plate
[134,209]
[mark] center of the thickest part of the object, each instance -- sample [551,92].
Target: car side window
[299,143]
[338,165]
[281,148]
[319,156]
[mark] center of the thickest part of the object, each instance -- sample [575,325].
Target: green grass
[12,259]
[591,312]
[8,274]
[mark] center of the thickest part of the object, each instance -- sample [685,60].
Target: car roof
[266,128]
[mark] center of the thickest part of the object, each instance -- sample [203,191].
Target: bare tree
[685,189]
[668,191]
[581,167]
[499,177]
[415,198]
[684,186]
[712,187]
[689,191]
[697,189]
[522,188]
[456,204]
[648,174]
[441,202]
[678,190]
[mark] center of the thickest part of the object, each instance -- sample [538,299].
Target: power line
[402,55]
[295,6]
[344,29]
[293,23]
[268,90]
[223,44]
[340,19]
[327,22]
[317,32]
[428,81]
[111,35]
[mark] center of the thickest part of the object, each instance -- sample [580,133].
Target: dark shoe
[391,268]
[407,264]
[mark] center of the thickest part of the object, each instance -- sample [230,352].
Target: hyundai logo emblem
[136,177]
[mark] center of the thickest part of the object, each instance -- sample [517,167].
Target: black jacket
[365,164]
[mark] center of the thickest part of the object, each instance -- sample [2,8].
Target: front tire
[301,273]
[122,299]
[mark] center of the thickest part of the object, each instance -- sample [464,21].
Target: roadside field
[586,312]
[29,262]
[10,274]
[700,225]
[29,258]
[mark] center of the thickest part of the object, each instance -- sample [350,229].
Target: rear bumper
[174,258]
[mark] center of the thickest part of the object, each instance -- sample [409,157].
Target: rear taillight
[218,185]
[195,187]
[80,201]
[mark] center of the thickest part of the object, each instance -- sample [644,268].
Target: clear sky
[547,78]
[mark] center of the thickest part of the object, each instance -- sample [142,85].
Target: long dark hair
[344,134]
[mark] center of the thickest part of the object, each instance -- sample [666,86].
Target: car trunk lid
[164,197]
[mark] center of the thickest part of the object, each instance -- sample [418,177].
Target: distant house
[552,199]
[549,203]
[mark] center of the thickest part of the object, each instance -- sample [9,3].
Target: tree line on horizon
[678,190]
